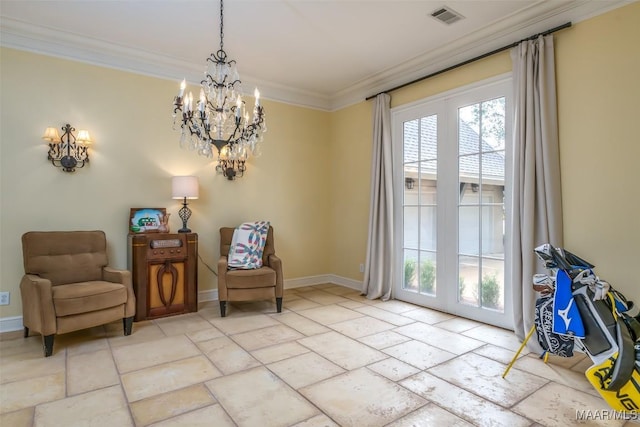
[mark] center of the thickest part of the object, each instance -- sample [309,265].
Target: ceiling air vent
[447,15]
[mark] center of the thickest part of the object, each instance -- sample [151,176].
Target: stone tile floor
[332,357]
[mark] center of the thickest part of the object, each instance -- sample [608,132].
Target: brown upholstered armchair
[67,285]
[243,285]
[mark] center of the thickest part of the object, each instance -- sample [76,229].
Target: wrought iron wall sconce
[68,152]
[409,183]
[230,168]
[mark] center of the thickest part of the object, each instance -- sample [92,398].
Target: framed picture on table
[148,220]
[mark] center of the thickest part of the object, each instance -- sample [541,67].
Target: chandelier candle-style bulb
[238,107]
[202,103]
[219,123]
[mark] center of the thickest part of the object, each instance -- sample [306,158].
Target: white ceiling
[325,54]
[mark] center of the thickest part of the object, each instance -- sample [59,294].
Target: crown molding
[540,16]
[21,35]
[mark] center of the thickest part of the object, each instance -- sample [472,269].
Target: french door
[451,197]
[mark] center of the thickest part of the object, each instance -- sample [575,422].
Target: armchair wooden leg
[127,322]
[279,304]
[47,341]
[26,332]
[223,308]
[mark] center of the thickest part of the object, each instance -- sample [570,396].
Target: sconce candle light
[184,187]
[68,152]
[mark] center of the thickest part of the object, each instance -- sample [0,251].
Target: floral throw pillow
[247,245]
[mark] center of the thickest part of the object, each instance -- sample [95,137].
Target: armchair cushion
[247,245]
[247,279]
[65,257]
[84,297]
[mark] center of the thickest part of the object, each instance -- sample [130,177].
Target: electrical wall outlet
[4,298]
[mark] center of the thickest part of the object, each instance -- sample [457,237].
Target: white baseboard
[346,282]
[10,324]
[212,294]
[208,295]
[307,281]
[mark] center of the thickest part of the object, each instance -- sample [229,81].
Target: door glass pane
[410,273]
[429,175]
[492,119]
[469,230]
[411,227]
[428,205]
[428,138]
[469,129]
[427,273]
[493,231]
[411,194]
[410,136]
[468,273]
[492,288]
[469,178]
[493,168]
[428,230]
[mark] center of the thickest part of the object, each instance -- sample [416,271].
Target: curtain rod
[468,61]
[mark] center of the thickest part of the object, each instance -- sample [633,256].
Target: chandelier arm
[219,57]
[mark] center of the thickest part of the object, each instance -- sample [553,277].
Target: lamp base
[185,214]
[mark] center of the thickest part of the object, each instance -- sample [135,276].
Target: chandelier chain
[221,27]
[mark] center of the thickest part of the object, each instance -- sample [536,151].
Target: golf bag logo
[627,398]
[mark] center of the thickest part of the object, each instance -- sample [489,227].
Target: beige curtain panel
[537,200]
[378,272]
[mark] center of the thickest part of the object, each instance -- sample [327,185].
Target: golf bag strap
[625,362]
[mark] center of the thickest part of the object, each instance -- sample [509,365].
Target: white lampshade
[84,137]
[51,135]
[184,186]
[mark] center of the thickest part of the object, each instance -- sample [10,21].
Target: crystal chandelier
[220,117]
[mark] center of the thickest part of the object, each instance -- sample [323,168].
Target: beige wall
[598,83]
[132,160]
[313,180]
[350,188]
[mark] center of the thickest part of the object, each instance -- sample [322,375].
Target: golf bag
[578,310]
